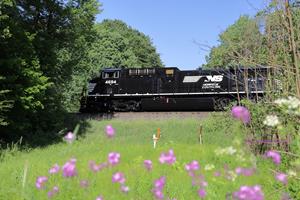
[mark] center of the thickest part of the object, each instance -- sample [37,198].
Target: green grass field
[133,140]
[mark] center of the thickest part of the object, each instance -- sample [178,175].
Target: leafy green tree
[20,67]
[42,43]
[240,44]
[109,44]
[119,45]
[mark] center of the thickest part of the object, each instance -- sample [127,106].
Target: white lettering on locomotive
[209,78]
[110,82]
[215,78]
[191,79]
[210,86]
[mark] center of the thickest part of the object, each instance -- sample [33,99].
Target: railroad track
[143,115]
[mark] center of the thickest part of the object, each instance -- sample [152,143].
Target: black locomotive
[170,89]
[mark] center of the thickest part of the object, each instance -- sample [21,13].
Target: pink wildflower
[84,183]
[113,158]
[193,166]
[148,164]
[241,113]
[124,188]
[274,155]
[99,198]
[93,166]
[217,173]
[248,192]
[168,157]
[52,192]
[70,137]
[54,169]
[110,131]
[158,194]
[245,171]
[203,184]
[160,183]
[118,178]
[281,177]
[40,182]
[201,193]
[69,169]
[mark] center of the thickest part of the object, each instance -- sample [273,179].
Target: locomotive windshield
[112,74]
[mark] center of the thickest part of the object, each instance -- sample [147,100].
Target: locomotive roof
[200,69]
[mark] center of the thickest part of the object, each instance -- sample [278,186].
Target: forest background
[50,49]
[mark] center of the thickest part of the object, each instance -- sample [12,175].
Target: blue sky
[176,27]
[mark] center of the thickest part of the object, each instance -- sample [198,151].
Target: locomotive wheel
[221,103]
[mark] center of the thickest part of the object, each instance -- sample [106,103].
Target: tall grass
[133,140]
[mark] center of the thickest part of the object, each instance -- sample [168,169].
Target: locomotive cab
[110,79]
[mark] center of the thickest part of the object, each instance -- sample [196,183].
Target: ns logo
[215,78]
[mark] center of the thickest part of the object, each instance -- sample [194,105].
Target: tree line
[270,38]
[49,49]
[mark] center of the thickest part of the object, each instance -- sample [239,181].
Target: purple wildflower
[118,178]
[124,188]
[70,137]
[217,173]
[113,158]
[99,197]
[94,167]
[69,169]
[274,155]
[110,131]
[52,192]
[158,187]
[203,184]
[54,169]
[158,194]
[148,164]
[241,113]
[40,182]
[168,157]
[193,166]
[160,183]
[245,171]
[84,183]
[281,177]
[248,192]
[201,193]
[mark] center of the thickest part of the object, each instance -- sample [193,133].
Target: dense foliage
[49,49]
[271,38]
[119,45]
[238,43]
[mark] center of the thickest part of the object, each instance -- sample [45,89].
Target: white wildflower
[292,173]
[230,150]
[219,151]
[209,167]
[293,103]
[281,102]
[271,120]
[232,175]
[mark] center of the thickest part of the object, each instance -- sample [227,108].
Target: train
[172,89]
